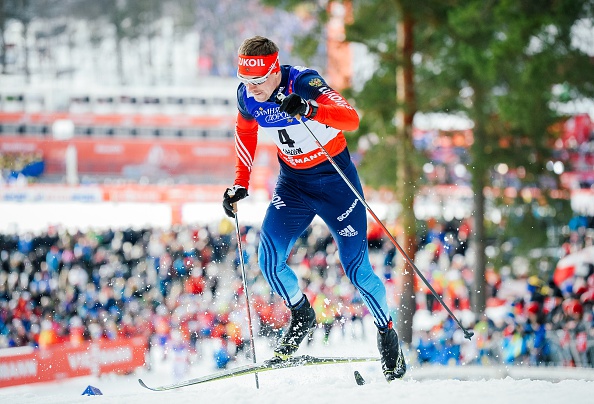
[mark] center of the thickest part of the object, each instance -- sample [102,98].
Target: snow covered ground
[324,384]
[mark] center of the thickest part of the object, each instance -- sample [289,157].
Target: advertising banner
[205,161]
[24,366]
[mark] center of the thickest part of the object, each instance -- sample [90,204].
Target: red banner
[132,158]
[67,360]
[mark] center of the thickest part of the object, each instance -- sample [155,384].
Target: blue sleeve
[308,85]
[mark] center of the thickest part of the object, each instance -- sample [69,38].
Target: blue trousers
[299,196]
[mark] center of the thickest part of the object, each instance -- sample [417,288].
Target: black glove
[234,194]
[294,105]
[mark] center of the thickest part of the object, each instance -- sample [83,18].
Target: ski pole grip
[231,193]
[279,100]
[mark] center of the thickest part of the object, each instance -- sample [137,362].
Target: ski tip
[359,379]
[144,385]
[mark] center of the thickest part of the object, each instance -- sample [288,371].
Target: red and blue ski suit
[308,185]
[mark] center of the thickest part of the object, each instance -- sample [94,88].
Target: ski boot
[393,364]
[303,323]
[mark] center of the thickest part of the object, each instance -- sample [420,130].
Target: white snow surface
[328,384]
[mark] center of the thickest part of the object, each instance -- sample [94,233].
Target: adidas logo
[348,231]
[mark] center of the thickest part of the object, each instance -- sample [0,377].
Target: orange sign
[204,161]
[66,361]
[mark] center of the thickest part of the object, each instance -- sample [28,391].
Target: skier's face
[263,91]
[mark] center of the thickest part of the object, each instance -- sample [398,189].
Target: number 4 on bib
[284,138]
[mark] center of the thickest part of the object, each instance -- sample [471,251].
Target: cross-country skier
[308,185]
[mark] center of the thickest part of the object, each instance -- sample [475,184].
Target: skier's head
[259,67]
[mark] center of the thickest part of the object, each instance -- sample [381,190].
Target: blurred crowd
[533,317]
[182,286]
[177,286]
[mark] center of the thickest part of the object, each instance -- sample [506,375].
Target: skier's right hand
[294,105]
[232,195]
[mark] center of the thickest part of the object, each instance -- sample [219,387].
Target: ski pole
[467,333]
[245,290]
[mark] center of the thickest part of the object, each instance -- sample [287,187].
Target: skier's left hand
[231,196]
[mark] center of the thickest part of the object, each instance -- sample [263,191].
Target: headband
[258,65]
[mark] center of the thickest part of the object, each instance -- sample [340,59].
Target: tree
[22,11]
[405,111]
[500,73]
[130,20]
[503,71]
[25,12]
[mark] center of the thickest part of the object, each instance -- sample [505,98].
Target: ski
[272,364]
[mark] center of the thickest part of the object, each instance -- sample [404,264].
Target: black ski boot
[303,323]
[393,363]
